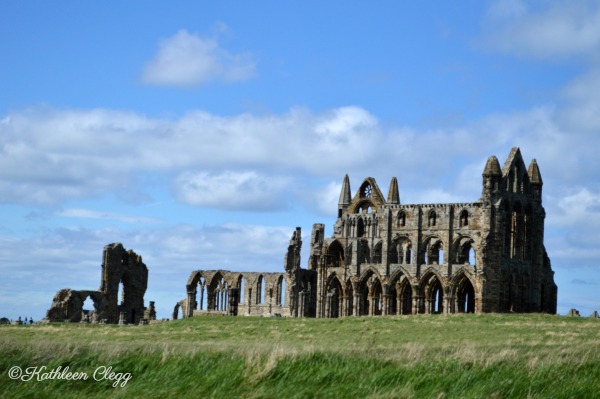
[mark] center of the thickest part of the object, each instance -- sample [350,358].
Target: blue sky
[201,135]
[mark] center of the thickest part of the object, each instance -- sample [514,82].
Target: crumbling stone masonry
[388,258]
[120,268]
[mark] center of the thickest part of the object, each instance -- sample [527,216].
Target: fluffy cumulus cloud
[232,190]
[559,29]
[186,59]
[248,162]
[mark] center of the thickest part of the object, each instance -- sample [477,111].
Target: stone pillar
[122,318]
[448,302]
[357,304]
[190,302]
[386,304]
[301,303]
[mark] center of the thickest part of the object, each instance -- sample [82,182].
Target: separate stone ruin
[120,269]
[573,313]
[389,258]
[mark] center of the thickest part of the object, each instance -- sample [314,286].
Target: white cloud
[578,209]
[49,156]
[232,190]
[80,213]
[582,110]
[188,60]
[562,29]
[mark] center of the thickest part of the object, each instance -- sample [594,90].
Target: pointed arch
[434,251]
[433,290]
[240,286]
[218,291]
[364,252]
[377,252]
[405,297]
[349,296]
[431,218]
[360,227]
[333,292]
[464,293]
[281,290]
[260,289]
[463,220]
[401,218]
[464,248]
[400,292]
[335,254]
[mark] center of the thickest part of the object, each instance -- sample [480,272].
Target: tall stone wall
[120,269]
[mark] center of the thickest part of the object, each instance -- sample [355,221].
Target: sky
[200,134]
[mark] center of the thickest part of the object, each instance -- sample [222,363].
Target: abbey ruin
[389,258]
[120,268]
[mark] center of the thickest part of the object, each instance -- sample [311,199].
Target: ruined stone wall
[388,258]
[487,256]
[236,293]
[120,268]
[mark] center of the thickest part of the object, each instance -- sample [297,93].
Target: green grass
[458,356]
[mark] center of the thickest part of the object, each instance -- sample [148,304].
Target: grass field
[458,356]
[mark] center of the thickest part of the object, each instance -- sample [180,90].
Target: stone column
[357,304]
[386,304]
[190,303]
[301,303]
[122,318]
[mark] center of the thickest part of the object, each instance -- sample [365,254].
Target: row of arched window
[369,300]
[432,218]
[401,252]
[215,297]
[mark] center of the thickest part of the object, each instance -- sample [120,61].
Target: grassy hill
[462,356]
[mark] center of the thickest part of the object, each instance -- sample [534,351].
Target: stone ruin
[119,268]
[390,258]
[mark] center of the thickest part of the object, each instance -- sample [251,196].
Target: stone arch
[463,218]
[349,298]
[371,293]
[433,291]
[218,292]
[431,218]
[335,254]
[401,250]
[360,227]
[433,251]
[464,293]
[399,288]
[464,248]
[198,285]
[176,310]
[405,297]
[364,252]
[260,289]
[240,284]
[281,291]
[377,252]
[333,297]
[401,218]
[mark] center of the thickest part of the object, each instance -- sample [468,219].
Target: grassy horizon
[493,355]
